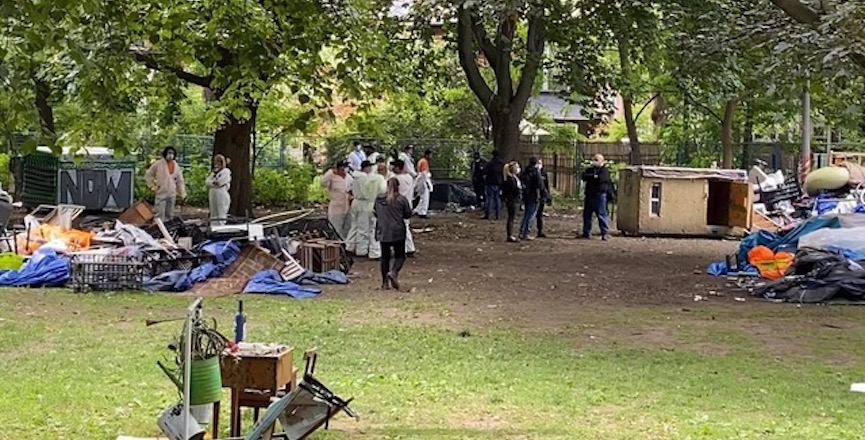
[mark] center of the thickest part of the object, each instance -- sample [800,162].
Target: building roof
[691,173]
[556,107]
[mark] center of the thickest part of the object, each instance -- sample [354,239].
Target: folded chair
[302,411]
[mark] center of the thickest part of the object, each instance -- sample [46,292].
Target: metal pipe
[191,315]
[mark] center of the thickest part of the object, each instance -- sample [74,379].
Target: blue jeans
[595,205]
[529,217]
[494,201]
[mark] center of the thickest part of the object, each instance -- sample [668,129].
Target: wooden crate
[268,372]
[320,255]
[138,214]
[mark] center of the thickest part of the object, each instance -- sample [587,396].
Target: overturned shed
[683,201]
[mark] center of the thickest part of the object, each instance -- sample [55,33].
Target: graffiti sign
[96,189]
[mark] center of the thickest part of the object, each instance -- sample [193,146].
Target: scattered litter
[699,298]
[739,299]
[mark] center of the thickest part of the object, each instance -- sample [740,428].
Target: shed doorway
[728,204]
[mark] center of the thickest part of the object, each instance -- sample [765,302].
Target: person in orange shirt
[423,184]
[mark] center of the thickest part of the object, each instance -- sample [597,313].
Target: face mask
[595,163]
[169,156]
[517,170]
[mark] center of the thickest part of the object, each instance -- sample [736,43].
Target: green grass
[83,367]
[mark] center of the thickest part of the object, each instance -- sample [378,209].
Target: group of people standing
[496,182]
[165,178]
[371,204]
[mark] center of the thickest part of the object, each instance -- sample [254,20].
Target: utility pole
[805,162]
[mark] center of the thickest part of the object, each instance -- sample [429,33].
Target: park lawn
[84,367]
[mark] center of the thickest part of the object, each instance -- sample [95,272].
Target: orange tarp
[72,239]
[771,266]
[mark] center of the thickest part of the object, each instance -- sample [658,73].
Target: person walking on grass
[511,190]
[533,194]
[545,179]
[598,185]
[391,212]
[493,176]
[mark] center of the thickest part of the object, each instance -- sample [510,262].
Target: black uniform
[549,199]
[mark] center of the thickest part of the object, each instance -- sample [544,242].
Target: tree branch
[505,33]
[535,41]
[491,53]
[150,62]
[466,49]
[798,11]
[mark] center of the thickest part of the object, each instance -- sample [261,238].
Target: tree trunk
[628,102]
[727,133]
[631,124]
[46,112]
[232,140]
[506,136]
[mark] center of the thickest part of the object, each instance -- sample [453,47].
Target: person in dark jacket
[548,201]
[533,194]
[512,188]
[493,181]
[391,212]
[479,179]
[598,186]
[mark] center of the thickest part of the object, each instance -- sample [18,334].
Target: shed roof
[691,173]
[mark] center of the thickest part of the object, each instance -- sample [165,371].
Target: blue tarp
[44,269]
[225,253]
[270,282]
[788,242]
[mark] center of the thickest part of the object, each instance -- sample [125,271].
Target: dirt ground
[464,263]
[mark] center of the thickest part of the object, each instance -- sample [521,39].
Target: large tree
[500,46]
[237,51]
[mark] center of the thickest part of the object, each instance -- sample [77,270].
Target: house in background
[552,102]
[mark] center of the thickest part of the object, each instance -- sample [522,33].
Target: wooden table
[253,380]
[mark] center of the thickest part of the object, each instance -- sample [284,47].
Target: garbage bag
[330,277]
[174,281]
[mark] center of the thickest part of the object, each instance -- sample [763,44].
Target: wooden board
[739,213]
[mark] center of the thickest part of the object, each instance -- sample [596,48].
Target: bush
[296,183]
[281,187]
[5,173]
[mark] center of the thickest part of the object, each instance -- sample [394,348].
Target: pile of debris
[285,253]
[808,243]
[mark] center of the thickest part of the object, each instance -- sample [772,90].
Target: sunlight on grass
[83,367]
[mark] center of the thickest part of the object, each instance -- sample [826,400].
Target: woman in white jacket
[219,182]
[166,179]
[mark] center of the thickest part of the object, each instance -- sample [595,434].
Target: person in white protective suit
[364,192]
[406,188]
[356,157]
[219,182]
[423,184]
[338,183]
[165,178]
[379,177]
[408,160]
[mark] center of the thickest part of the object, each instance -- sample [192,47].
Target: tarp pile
[157,262]
[819,260]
